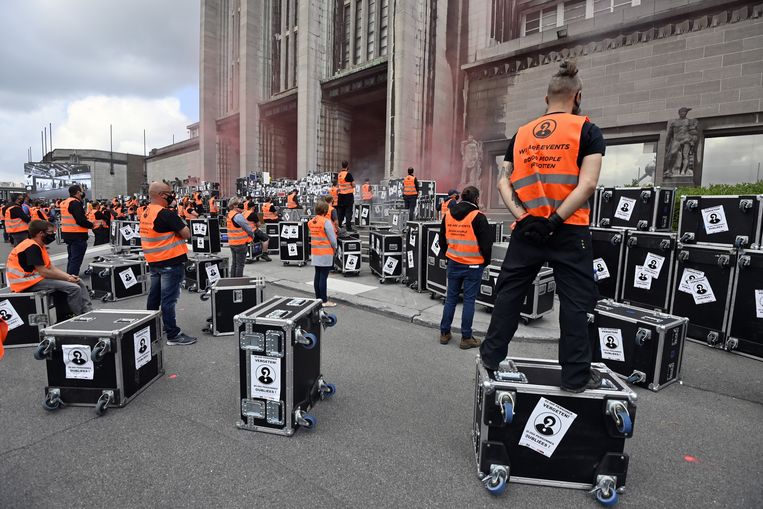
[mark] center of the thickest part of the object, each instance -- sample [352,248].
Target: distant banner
[52,180]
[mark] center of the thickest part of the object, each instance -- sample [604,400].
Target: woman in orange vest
[465,235]
[410,194]
[29,269]
[322,249]
[550,171]
[75,229]
[291,200]
[214,210]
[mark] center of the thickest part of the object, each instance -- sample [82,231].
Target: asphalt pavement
[397,433]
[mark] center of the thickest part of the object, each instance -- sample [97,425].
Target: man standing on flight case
[410,194]
[550,171]
[346,197]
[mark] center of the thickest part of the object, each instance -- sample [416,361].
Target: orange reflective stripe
[462,242]
[18,279]
[319,242]
[344,186]
[237,236]
[409,185]
[68,223]
[157,246]
[545,164]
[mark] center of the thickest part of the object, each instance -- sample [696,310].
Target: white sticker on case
[715,220]
[77,362]
[687,278]
[128,278]
[199,228]
[625,208]
[600,269]
[653,264]
[9,314]
[127,232]
[351,262]
[142,344]
[292,249]
[200,242]
[213,273]
[758,303]
[702,291]
[410,260]
[266,377]
[390,264]
[435,247]
[611,342]
[642,279]
[546,427]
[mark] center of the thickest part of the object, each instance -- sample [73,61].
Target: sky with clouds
[84,64]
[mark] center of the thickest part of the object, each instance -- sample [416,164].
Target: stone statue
[681,145]
[471,166]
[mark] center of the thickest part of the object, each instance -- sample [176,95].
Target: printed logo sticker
[213,272]
[546,427]
[199,228]
[600,269]
[142,344]
[653,264]
[128,278]
[265,376]
[715,220]
[390,264]
[702,291]
[9,314]
[544,129]
[611,342]
[688,277]
[625,208]
[758,303]
[77,362]
[351,262]
[642,279]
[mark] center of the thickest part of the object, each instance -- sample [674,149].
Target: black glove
[540,232]
[521,226]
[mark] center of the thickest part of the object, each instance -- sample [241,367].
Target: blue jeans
[164,292]
[469,277]
[75,248]
[320,282]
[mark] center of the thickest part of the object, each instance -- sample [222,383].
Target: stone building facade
[294,86]
[111,173]
[177,161]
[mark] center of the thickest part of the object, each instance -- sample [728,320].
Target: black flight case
[201,270]
[229,297]
[702,290]
[348,255]
[437,265]
[26,313]
[539,300]
[724,220]
[271,230]
[294,244]
[362,214]
[745,329]
[114,279]
[125,236]
[205,235]
[608,246]
[648,270]
[527,430]
[644,347]
[280,375]
[102,358]
[639,208]
[416,253]
[386,255]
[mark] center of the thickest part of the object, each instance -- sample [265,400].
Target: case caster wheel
[327,390]
[301,265]
[192,288]
[310,340]
[42,349]
[91,293]
[285,264]
[328,319]
[106,298]
[182,284]
[496,482]
[526,321]
[102,405]
[507,410]
[605,492]
[305,420]
[205,296]
[52,402]
[88,271]
[624,422]
[432,295]
[381,281]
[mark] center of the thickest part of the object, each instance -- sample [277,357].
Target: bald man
[163,236]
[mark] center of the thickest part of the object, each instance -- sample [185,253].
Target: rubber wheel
[100,407]
[626,424]
[328,390]
[609,500]
[330,320]
[285,264]
[105,298]
[526,321]
[313,340]
[496,487]
[381,281]
[88,271]
[51,404]
[38,353]
[92,293]
[508,412]
[311,421]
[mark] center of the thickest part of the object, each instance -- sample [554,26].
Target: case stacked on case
[124,236]
[294,243]
[201,270]
[648,269]
[228,298]
[118,278]
[643,209]
[205,235]
[386,255]
[348,255]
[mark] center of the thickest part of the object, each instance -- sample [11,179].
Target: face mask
[49,238]
[170,199]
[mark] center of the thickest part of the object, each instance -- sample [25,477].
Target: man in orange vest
[100,224]
[465,234]
[29,269]
[346,198]
[366,194]
[16,220]
[291,200]
[163,236]
[411,193]
[447,204]
[269,211]
[214,210]
[550,171]
[322,249]
[75,228]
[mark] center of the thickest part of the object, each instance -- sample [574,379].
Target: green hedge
[714,190]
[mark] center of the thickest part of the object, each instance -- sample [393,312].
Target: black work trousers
[410,204]
[568,252]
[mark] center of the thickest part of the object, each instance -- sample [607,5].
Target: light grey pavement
[397,434]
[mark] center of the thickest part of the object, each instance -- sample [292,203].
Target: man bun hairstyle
[565,82]
[471,194]
[37,226]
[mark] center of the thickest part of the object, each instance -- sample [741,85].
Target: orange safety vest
[140,210]
[213,206]
[237,236]
[344,186]
[97,223]
[462,242]
[45,212]
[409,186]
[319,242]
[444,209]
[334,192]
[14,225]
[291,202]
[157,246]
[267,212]
[366,193]
[68,224]
[545,164]
[18,279]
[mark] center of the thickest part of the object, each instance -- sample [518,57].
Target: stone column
[312,43]
[209,88]
[255,34]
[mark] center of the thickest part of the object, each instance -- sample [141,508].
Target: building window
[606,6]
[371,29]
[540,20]
[629,164]
[346,31]
[358,31]
[554,14]
[732,159]
[501,20]
[383,27]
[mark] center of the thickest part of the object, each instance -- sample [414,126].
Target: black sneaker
[181,339]
[593,383]
[487,365]
[265,257]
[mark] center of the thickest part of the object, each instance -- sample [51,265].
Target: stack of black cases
[118,278]
[745,323]
[102,358]
[721,220]
[527,430]
[201,270]
[205,235]
[125,236]
[648,270]
[280,345]
[386,255]
[644,347]
[230,297]
[348,255]
[539,300]
[643,209]
[294,242]
[416,252]
[362,214]
[271,230]
[26,313]
[703,289]
[608,246]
